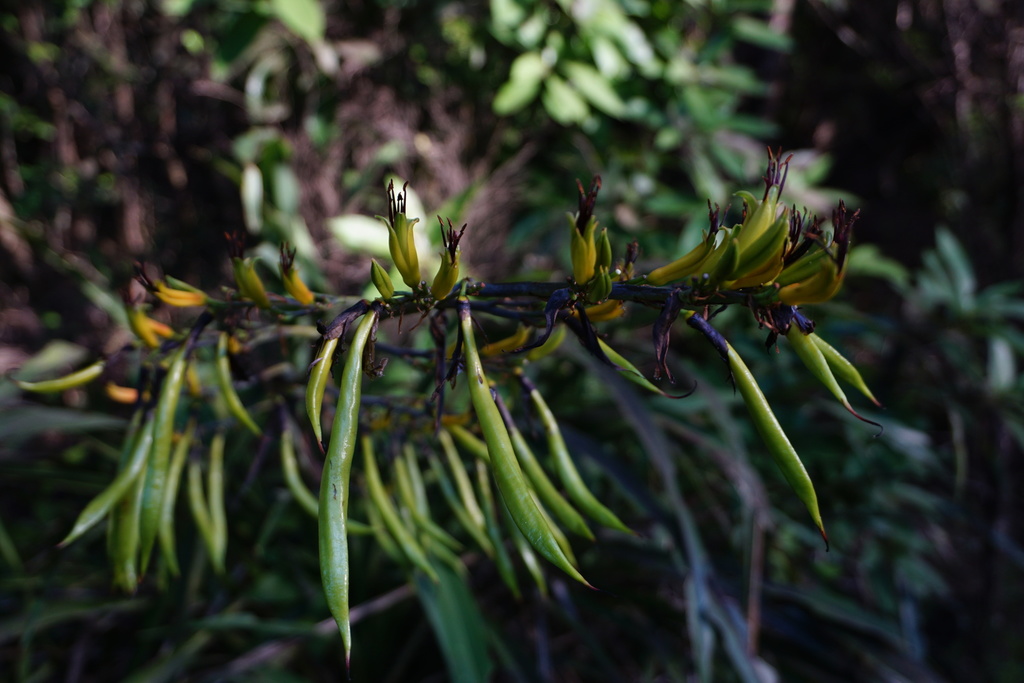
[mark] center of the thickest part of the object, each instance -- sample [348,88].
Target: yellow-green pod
[478,532]
[631,372]
[382,281]
[375,487]
[124,537]
[570,476]
[416,504]
[512,485]
[380,532]
[501,559]
[542,485]
[846,370]
[462,482]
[215,498]
[303,496]
[470,442]
[155,485]
[132,470]
[76,379]
[249,283]
[526,553]
[334,482]
[227,387]
[814,360]
[166,532]
[200,510]
[316,386]
[775,438]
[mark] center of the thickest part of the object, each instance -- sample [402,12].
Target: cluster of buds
[591,252]
[774,250]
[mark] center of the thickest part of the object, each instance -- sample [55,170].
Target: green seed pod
[382,281]
[290,467]
[250,286]
[846,370]
[319,376]
[166,534]
[74,380]
[600,286]
[227,387]
[134,468]
[604,250]
[155,486]
[392,521]
[567,472]
[775,438]
[334,483]
[512,485]
[583,250]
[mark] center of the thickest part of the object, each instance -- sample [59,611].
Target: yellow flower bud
[250,286]
[291,279]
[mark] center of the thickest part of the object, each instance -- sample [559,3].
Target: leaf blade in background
[457,623]
[305,18]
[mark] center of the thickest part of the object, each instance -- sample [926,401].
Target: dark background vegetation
[124,130]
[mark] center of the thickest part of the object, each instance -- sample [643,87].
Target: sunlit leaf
[304,17]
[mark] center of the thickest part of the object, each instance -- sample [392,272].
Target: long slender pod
[99,506]
[227,386]
[160,455]
[570,476]
[74,380]
[410,547]
[215,502]
[512,485]
[506,571]
[775,438]
[846,370]
[334,483]
[319,377]
[303,496]
[546,491]
[125,522]
[198,507]
[478,534]
[165,534]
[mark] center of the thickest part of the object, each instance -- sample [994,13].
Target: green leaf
[700,106]
[361,234]
[526,74]
[563,103]
[304,17]
[867,260]
[23,422]
[286,189]
[595,87]
[458,624]
[959,267]
[759,33]
[252,197]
